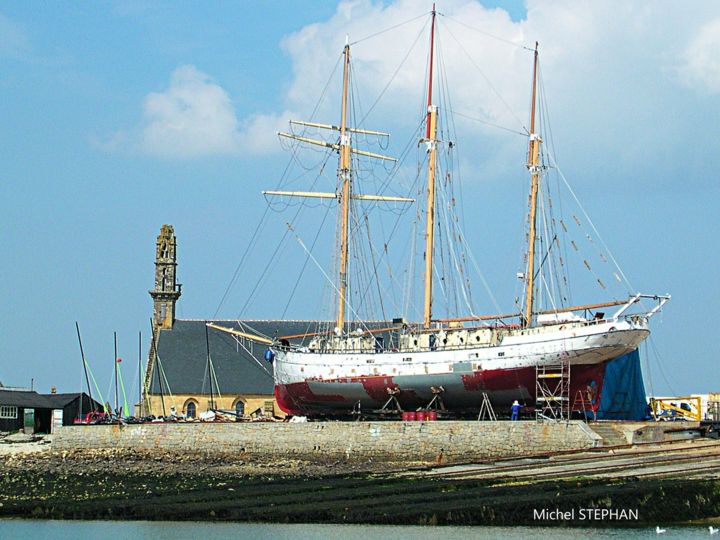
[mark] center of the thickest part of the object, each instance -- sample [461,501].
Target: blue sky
[119,117]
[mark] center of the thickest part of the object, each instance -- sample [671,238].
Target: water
[164,530]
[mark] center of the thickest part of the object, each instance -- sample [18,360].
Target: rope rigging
[367,293]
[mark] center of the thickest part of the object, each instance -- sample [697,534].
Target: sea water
[173,530]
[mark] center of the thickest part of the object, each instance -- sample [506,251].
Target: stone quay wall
[432,442]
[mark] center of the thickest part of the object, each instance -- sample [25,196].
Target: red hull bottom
[463,391]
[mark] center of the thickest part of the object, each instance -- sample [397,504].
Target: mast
[153,351]
[534,168]
[117,405]
[140,377]
[209,368]
[431,141]
[344,175]
[85,368]
[344,192]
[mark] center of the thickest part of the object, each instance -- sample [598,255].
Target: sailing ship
[451,361]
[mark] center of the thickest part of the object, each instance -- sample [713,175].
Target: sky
[121,116]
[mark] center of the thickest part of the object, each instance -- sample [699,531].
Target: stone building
[186,358]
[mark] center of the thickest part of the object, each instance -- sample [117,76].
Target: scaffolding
[552,392]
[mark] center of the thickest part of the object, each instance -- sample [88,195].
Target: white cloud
[702,58]
[612,66]
[315,49]
[193,117]
[259,132]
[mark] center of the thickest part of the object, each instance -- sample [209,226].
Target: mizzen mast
[431,141]
[534,168]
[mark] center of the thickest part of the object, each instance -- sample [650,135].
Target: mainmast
[431,141]
[534,168]
[345,177]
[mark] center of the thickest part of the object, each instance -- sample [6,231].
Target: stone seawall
[446,441]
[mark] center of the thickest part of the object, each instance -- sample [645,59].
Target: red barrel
[431,416]
[408,416]
[420,416]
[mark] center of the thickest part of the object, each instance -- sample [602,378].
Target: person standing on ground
[515,410]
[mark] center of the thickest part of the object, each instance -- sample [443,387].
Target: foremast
[534,168]
[345,181]
[431,141]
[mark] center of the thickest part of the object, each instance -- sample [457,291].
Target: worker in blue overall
[515,410]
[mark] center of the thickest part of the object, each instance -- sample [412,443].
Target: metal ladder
[486,409]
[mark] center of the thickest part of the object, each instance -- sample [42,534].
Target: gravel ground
[19,443]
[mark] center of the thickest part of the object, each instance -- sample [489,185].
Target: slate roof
[183,355]
[25,398]
[60,401]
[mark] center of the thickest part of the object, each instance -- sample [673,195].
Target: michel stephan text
[586,514]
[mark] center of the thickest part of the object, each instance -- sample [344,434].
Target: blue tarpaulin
[623,393]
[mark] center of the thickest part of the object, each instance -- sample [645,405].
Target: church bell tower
[167,290]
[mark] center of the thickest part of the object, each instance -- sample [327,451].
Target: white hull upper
[577,343]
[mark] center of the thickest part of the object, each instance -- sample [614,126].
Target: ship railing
[661,300]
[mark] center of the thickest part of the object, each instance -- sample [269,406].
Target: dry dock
[680,459]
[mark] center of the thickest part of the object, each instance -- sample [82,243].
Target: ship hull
[462,392]
[332,383]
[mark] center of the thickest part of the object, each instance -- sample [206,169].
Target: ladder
[486,409]
[582,404]
[552,392]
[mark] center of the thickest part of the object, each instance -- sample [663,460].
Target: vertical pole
[209,367]
[534,168]
[344,176]
[430,222]
[153,353]
[162,392]
[431,139]
[82,355]
[116,374]
[430,73]
[140,377]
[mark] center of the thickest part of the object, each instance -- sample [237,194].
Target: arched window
[240,407]
[191,409]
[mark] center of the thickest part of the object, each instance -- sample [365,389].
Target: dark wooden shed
[73,406]
[15,403]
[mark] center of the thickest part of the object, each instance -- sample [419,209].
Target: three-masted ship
[452,361]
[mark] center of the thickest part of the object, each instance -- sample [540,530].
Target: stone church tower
[167,290]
